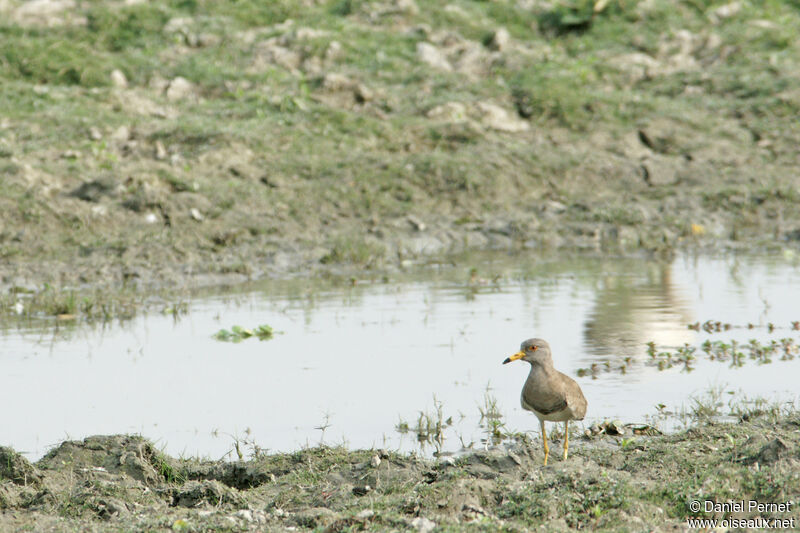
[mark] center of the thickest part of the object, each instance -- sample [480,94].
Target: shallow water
[360,359]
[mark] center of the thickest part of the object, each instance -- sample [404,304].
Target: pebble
[500,40]
[432,56]
[179,89]
[447,460]
[121,134]
[422,524]
[118,79]
[160,151]
[416,223]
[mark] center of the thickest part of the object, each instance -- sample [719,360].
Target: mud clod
[207,492]
[15,468]
[771,452]
[116,454]
[238,475]
[314,518]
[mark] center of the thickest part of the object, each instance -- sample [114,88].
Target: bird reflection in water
[631,309]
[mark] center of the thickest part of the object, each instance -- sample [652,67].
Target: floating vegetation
[667,359]
[736,353]
[238,333]
[715,326]
[710,326]
[785,349]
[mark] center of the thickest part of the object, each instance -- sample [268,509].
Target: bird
[550,394]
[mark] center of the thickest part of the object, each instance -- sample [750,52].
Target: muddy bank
[633,482]
[196,143]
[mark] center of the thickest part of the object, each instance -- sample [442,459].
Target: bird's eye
[533,348]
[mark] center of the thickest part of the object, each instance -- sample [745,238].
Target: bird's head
[532,351]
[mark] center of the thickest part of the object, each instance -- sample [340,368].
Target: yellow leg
[566,438]
[544,442]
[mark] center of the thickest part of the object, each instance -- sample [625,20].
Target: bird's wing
[575,398]
[543,401]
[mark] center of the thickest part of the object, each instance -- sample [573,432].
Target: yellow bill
[519,355]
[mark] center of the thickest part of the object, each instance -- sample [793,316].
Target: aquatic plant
[492,419]
[238,333]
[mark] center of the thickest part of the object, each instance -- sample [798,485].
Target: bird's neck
[544,367]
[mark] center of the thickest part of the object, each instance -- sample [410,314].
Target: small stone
[118,79]
[447,460]
[416,223]
[304,34]
[95,134]
[208,39]
[725,11]
[151,218]
[375,461]
[160,151]
[408,7]
[179,89]
[458,11]
[333,81]
[178,24]
[195,214]
[433,57]
[365,514]
[159,84]
[500,40]
[763,24]
[555,206]
[450,112]
[244,514]
[497,118]
[334,51]
[45,13]
[121,134]
[422,524]
[363,93]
